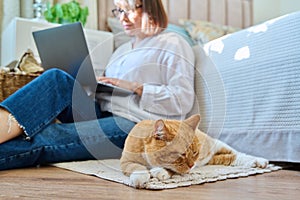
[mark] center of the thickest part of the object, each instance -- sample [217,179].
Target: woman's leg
[9,127]
[38,103]
[95,139]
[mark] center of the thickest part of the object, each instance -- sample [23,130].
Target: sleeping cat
[164,147]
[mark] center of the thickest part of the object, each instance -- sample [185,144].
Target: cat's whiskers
[168,143]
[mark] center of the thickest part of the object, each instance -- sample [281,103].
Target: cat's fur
[164,147]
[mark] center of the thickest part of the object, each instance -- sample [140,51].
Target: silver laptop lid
[65,47]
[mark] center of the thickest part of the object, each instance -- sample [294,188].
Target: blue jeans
[84,132]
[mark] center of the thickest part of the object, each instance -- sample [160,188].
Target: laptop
[64,47]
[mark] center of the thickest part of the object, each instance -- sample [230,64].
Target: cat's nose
[191,165]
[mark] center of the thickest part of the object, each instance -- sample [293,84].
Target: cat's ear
[159,129]
[193,121]
[159,125]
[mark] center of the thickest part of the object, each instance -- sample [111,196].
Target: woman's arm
[175,96]
[132,86]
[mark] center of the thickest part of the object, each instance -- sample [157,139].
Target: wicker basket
[11,82]
[18,73]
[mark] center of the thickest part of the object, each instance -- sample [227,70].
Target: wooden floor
[54,183]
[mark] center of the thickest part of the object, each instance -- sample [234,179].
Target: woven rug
[110,170]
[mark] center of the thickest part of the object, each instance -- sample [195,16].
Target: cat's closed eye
[195,153]
[180,158]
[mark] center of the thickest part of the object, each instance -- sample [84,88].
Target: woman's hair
[154,19]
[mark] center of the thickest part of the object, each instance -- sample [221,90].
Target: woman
[156,65]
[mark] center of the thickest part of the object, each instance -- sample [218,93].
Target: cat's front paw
[260,162]
[160,173]
[138,179]
[250,161]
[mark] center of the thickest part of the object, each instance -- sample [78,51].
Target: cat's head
[173,144]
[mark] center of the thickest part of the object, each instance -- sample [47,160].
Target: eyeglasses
[117,12]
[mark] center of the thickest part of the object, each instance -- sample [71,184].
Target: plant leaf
[66,12]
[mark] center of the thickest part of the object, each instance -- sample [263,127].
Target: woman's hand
[133,86]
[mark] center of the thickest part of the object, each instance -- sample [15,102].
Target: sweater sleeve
[175,96]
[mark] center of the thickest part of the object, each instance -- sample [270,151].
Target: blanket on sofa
[248,86]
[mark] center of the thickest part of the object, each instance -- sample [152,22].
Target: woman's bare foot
[9,127]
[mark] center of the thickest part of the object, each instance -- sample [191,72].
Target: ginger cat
[164,147]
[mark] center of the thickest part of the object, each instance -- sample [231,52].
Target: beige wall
[268,9]
[288,6]
[7,13]
[265,9]
[13,8]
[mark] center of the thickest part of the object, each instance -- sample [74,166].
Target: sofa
[248,89]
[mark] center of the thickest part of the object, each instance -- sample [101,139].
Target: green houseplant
[66,13]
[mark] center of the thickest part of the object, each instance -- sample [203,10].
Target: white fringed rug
[110,170]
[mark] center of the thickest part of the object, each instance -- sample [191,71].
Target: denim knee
[58,75]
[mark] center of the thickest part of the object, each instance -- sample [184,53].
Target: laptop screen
[65,47]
